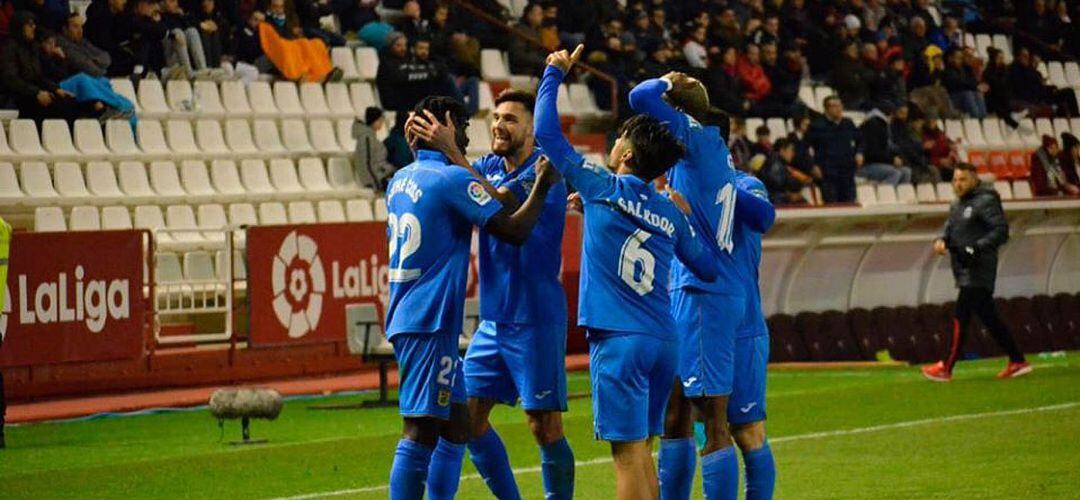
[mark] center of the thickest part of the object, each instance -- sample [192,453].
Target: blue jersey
[706,179]
[753,219]
[432,207]
[632,234]
[520,283]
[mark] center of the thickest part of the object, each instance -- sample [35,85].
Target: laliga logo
[298,284]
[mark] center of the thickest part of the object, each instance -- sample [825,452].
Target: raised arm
[648,97]
[546,123]
[752,206]
[515,228]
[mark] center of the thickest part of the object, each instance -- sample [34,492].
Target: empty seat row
[885,194]
[203,224]
[132,182]
[574,99]
[178,139]
[197,266]
[179,98]
[361,63]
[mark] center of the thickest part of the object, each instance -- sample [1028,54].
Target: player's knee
[422,430]
[546,426]
[749,437]
[479,410]
[457,429]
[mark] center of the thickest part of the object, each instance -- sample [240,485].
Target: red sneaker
[937,372]
[1013,370]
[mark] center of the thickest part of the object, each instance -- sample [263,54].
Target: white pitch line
[782,439]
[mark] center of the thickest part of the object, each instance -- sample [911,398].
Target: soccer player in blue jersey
[519,350]
[632,234]
[746,408]
[432,207]
[706,314]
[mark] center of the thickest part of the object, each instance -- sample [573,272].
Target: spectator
[727,29]
[768,33]
[148,39]
[785,77]
[35,96]
[737,143]
[915,41]
[81,54]
[398,152]
[964,89]
[999,90]
[852,79]
[371,167]
[401,81]
[837,146]
[412,25]
[182,43]
[694,49]
[883,160]
[889,87]
[549,31]
[784,189]
[309,14]
[248,47]
[1030,89]
[93,96]
[949,37]
[109,27]
[940,151]
[295,57]
[873,13]
[354,14]
[1048,177]
[722,82]
[806,168]
[906,130]
[752,75]
[1040,22]
[657,63]
[763,142]
[526,58]
[213,32]
[51,15]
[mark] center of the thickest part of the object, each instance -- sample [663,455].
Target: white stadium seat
[182,219]
[49,219]
[492,66]
[165,180]
[1001,42]
[10,194]
[152,139]
[380,209]
[362,96]
[255,178]
[226,179]
[115,218]
[212,218]
[287,99]
[1022,190]
[5,149]
[925,192]
[209,99]
[125,88]
[199,266]
[261,99]
[182,138]
[36,182]
[1072,73]
[89,139]
[367,62]
[272,213]
[266,137]
[295,137]
[101,181]
[85,218]
[167,268]
[24,139]
[312,175]
[56,138]
[322,137]
[337,98]
[210,138]
[905,193]
[196,180]
[1004,189]
[343,57]
[238,136]
[345,137]
[121,140]
[70,183]
[1057,74]
[974,133]
[1061,126]
[886,194]
[582,99]
[152,99]
[149,217]
[239,271]
[358,211]
[865,194]
[235,99]
[283,175]
[313,99]
[179,96]
[479,136]
[330,211]
[339,173]
[945,192]
[1043,126]
[134,181]
[486,101]
[302,212]
[242,214]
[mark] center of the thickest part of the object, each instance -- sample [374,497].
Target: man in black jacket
[974,231]
[837,147]
[21,76]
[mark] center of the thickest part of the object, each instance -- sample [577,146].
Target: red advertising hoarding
[73,296]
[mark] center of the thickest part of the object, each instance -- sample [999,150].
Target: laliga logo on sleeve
[477,194]
[298,284]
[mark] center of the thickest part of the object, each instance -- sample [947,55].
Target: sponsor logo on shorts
[689,382]
[542,394]
[444,397]
[747,408]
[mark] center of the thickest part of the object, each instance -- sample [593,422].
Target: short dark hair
[655,148]
[716,117]
[762,130]
[832,97]
[523,97]
[966,166]
[782,143]
[439,106]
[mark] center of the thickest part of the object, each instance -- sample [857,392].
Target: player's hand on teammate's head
[565,60]
[438,135]
[546,173]
[574,204]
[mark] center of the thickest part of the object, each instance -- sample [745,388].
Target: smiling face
[511,128]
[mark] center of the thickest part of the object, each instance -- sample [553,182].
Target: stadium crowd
[902,63]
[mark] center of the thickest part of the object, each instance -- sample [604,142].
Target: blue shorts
[508,361]
[429,368]
[632,377]
[747,402]
[705,324]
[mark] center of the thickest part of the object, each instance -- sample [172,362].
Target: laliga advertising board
[301,277]
[73,296]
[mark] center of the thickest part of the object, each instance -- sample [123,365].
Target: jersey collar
[529,161]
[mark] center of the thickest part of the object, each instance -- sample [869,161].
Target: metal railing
[187,297]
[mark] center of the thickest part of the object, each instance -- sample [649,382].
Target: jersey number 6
[633,254]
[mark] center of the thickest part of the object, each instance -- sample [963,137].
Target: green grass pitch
[850,433]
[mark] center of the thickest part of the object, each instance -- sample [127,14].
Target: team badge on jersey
[477,194]
[444,397]
[967,212]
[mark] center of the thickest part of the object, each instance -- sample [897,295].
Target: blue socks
[557,468]
[760,473]
[444,473]
[720,474]
[678,461]
[410,468]
[489,456]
